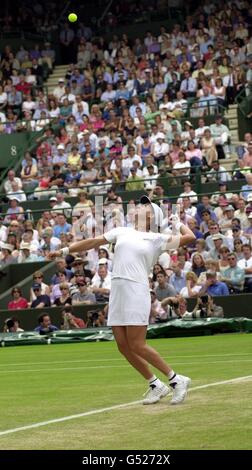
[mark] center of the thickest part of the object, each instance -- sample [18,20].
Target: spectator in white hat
[160,148]
[6,257]
[60,157]
[59,90]
[225,222]
[185,135]
[101,283]
[26,255]
[62,206]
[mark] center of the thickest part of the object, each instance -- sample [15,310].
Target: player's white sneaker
[180,386]
[155,393]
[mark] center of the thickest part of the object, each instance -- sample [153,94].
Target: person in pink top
[174,154]
[192,151]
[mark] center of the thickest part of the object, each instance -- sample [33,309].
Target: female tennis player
[136,250]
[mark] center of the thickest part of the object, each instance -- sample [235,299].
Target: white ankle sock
[155,381]
[171,375]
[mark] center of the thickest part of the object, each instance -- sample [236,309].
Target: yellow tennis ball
[72,17]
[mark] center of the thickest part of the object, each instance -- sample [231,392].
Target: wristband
[64,251]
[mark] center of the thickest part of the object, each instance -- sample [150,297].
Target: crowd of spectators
[120,113]
[22,96]
[218,263]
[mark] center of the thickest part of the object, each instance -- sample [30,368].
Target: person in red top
[23,86]
[44,148]
[18,301]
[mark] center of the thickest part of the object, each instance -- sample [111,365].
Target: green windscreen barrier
[14,274]
[233,306]
[12,145]
[173,328]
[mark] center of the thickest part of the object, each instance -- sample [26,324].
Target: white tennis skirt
[129,303]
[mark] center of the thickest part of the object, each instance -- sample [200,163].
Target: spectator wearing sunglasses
[39,279]
[65,298]
[18,301]
[234,276]
[83,296]
[41,300]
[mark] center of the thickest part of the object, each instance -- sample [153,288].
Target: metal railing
[26,125]
[31,213]
[198,109]
[245,105]
[240,97]
[161,179]
[199,187]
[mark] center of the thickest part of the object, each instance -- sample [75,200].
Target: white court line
[111,408]
[108,366]
[80,361]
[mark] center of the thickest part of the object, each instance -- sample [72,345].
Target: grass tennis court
[42,383]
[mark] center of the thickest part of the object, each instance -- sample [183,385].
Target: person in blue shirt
[234,276]
[71,176]
[204,45]
[122,92]
[247,188]
[212,286]
[202,207]
[77,76]
[45,325]
[177,279]
[120,73]
[61,226]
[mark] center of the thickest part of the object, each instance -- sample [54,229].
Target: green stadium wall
[21,275]
[15,273]
[13,145]
[234,307]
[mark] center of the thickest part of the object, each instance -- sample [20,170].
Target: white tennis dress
[135,254]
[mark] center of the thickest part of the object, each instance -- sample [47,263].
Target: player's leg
[136,336]
[157,389]
[120,334]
